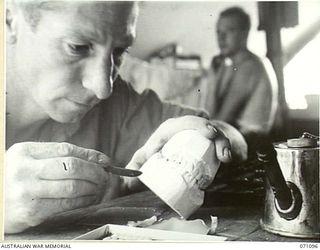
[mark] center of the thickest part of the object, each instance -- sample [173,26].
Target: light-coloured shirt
[245,93]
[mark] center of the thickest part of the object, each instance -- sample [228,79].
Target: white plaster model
[181,170]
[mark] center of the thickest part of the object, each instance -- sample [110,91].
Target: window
[302,72]
[302,75]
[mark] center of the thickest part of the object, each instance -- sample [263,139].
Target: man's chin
[228,52]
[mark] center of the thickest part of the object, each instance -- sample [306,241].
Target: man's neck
[237,56]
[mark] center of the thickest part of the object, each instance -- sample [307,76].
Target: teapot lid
[307,140]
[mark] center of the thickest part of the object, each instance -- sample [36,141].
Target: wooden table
[238,218]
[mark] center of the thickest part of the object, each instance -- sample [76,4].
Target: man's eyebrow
[87,35]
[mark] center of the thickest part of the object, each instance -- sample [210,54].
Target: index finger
[45,150]
[69,168]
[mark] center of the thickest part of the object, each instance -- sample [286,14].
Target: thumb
[139,158]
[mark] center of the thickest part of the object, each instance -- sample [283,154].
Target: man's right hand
[42,179]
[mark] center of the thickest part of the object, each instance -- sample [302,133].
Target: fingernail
[212,128]
[227,153]
[103,159]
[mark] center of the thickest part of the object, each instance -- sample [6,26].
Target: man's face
[67,63]
[230,36]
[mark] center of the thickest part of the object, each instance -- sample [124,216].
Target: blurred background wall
[192,26]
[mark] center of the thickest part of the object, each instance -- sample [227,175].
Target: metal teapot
[292,187]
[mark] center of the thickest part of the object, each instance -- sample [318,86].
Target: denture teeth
[187,166]
[196,171]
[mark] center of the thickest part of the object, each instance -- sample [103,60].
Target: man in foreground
[68,112]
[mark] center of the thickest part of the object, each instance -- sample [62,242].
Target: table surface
[238,218]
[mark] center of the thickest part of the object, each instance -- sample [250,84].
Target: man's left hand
[169,128]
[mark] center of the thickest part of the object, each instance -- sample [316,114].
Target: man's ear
[11,24]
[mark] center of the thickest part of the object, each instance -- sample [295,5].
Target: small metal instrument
[122,171]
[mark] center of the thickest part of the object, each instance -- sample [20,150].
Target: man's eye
[79,49]
[118,53]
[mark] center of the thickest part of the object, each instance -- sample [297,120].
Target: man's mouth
[222,45]
[81,104]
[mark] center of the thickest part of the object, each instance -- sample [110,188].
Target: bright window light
[302,75]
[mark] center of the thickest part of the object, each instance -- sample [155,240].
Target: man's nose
[98,76]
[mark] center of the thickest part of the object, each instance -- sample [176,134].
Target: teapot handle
[287,195]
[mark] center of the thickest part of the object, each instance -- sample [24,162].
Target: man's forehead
[62,4]
[99,18]
[117,18]
[229,22]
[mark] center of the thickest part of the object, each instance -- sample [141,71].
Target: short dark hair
[243,17]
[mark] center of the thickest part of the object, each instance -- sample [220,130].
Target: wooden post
[272,17]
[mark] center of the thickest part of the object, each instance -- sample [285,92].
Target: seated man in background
[67,112]
[245,87]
